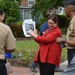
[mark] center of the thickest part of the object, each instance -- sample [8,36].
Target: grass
[63,30]
[26,45]
[64,54]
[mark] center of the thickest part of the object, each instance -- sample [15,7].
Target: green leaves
[11,9]
[42,6]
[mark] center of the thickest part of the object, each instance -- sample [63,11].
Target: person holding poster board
[49,52]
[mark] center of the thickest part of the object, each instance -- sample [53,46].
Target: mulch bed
[16,62]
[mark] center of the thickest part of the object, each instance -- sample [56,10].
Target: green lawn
[64,54]
[26,45]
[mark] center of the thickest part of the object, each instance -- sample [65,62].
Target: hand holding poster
[27,25]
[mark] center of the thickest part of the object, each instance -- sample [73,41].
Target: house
[59,10]
[26,8]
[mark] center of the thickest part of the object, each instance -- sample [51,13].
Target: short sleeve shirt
[7,40]
[71,32]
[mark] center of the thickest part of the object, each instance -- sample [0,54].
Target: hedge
[63,21]
[17,27]
[17,30]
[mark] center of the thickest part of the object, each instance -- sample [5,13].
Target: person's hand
[59,40]
[33,33]
[43,33]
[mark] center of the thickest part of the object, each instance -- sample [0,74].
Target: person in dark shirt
[43,28]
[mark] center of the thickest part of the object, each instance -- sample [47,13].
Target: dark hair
[1,11]
[53,17]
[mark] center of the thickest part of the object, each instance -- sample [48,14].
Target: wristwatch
[63,40]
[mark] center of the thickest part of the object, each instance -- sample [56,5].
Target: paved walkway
[27,71]
[21,71]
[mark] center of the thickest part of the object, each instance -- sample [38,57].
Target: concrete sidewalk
[27,71]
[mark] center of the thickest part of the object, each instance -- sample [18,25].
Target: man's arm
[60,40]
[10,44]
[71,43]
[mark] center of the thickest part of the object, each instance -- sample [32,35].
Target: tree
[42,6]
[11,9]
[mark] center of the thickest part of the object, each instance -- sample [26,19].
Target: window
[21,15]
[25,14]
[31,2]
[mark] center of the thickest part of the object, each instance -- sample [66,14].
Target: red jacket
[49,51]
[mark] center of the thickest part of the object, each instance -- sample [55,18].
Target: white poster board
[27,25]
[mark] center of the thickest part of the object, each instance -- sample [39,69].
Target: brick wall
[24,3]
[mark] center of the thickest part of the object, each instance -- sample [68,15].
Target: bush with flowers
[22,58]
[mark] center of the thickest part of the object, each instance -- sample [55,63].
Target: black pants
[3,70]
[46,68]
[70,55]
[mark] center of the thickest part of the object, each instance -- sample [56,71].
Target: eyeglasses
[51,23]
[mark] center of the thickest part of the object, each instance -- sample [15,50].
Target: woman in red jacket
[49,52]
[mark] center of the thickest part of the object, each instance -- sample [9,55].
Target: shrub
[19,23]
[17,30]
[38,26]
[17,27]
[63,21]
[25,58]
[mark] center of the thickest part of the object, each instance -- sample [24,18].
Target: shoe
[58,70]
[33,70]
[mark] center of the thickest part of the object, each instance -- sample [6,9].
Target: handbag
[9,68]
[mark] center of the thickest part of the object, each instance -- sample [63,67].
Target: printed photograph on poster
[27,25]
